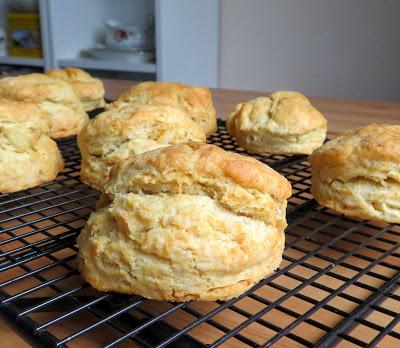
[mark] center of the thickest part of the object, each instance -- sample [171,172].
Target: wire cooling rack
[338,285]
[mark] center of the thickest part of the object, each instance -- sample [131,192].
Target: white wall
[341,48]
[187,41]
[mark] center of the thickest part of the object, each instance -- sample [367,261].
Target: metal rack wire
[339,282]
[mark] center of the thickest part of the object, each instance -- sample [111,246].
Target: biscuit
[186,222]
[89,90]
[55,97]
[195,101]
[22,112]
[358,173]
[283,123]
[28,156]
[118,134]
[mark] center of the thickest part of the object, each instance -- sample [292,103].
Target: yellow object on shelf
[24,38]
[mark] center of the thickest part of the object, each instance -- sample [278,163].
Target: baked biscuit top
[195,101]
[37,88]
[371,151]
[85,85]
[283,112]
[21,112]
[239,183]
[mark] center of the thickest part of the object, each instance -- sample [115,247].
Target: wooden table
[341,114]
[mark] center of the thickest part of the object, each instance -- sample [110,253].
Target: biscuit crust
[239,183]
[28,157]
[283,123]
[23,112]
[89,90]
[139,245]
[195,101]
[358,173]
[186,222]
[54,97]
[119,134]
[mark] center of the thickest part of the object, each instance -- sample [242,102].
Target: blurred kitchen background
[341,48]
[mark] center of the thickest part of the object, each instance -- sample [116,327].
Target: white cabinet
[186,36]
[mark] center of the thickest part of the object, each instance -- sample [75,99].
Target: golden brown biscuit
[284,123]
[89,90]
[358,173]
[119,134]
[55,97]
[186,222]
[28,157]
[21,112]
[195,101]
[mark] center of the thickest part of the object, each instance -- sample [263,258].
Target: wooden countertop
[341,114]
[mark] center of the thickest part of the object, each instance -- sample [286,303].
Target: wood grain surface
[341,114]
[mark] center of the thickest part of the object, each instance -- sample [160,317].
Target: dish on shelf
[120,35]
[131,55]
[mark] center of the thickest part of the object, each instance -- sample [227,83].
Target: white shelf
[186,50]
[91,63]
[21,61]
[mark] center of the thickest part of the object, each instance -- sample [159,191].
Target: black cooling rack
[338,285]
